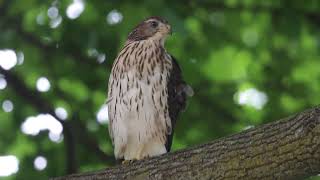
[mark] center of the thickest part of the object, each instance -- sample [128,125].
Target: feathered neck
[158,42]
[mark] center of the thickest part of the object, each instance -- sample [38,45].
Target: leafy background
[250,62]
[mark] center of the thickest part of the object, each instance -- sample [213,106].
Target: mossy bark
[285,149]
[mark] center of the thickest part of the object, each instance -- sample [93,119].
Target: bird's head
[155,28]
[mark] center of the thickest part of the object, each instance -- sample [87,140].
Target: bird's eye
[154,24]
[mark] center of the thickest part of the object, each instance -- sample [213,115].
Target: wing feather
[178,91]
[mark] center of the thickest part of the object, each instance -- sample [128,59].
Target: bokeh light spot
[7,106]
[102,114]
[8,165]
[75,9]
[43,84]
[40,163]
[54,23]
[3,83]
[20,57]
[53,12]
[252,97]
[114,17]
[57,138]
[34,124]
[61,113]
[8,59]
[92,52]
[101,58]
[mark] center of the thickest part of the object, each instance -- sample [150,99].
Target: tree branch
[285,149]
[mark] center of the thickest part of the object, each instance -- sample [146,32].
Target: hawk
[146,93]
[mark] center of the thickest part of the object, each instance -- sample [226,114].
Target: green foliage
[225,48]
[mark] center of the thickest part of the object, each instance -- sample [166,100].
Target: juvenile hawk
[146,93]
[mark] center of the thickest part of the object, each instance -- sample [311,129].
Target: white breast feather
[139,133]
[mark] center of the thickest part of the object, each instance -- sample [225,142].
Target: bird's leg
[137,156]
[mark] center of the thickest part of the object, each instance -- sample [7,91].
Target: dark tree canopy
[249,62]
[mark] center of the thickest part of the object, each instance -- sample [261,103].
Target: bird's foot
[127,162]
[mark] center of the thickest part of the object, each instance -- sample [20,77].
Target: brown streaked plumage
[146,93]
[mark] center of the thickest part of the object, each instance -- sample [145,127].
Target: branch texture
[285,149]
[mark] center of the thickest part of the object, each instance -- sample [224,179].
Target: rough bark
[285,149]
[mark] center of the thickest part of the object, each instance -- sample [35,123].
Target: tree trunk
[285,149]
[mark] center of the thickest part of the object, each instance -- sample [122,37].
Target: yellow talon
[127,162]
